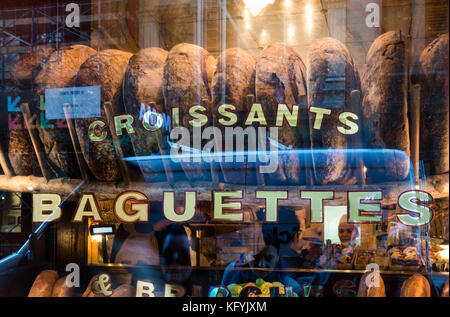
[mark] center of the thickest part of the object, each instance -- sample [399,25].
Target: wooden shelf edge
[437,186]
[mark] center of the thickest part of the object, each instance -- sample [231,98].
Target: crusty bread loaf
[106,69]
[143,85]
[187,74]
[431,74]
[280,79]
[416,286]
[372,291]
[124,290]
[26,66]
[43,284]
[332,76]
[58,71]
[60,289]
[384,105]
[233,81]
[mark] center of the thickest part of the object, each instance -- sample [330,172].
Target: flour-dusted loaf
[58,71]
[26,66]
[280,79]
[43,284]
[371,291]
[233,81]
[188,73]
[60,289]
[432,76]
[105,69]
[384,106]
[142,87]
[416,286]
[332,76]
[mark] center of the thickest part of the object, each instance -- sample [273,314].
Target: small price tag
[81,102]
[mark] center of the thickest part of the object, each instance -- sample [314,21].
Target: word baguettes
[362,207]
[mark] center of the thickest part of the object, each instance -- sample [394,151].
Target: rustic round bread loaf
[188,72]
[372,291]
[233,81]
[106,69]
[60,289]
[432,76]
[332,76]
[280,79]
[43,284]
[59,71]
[142,86]
[26,66]
[384,105]
[416,286]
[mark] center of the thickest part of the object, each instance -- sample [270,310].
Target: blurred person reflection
[174,262]
[348,232]
[266,265]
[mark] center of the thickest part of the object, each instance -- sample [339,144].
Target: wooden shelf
[437,186]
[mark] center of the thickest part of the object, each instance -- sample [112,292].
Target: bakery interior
[397,52]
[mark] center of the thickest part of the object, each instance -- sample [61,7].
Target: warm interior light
[309,17]
[291,31]
[443,254]
[247,19]
[287,3]
[96,238]
[256,6]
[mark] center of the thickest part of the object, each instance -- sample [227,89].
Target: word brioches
[133,206]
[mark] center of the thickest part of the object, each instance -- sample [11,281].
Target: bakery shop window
[232,147]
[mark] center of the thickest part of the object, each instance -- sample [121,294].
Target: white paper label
[81,102]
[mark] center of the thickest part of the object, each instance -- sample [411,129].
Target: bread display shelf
[437,186]
[124,268]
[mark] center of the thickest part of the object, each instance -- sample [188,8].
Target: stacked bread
[143,89]
[384,105]
[48,284]
[189,76]
[18,144]
[280,79]
[332,76]
[59,71]
[233,82]
[105,69]
[188,73]
[431,74]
